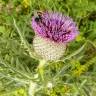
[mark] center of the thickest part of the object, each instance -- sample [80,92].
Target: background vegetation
[73,75]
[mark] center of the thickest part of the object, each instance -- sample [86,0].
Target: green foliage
[73,75]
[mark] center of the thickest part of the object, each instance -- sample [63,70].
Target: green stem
[32,88]
[41,68]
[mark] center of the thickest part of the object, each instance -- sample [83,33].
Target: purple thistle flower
[53,32]
[55,27]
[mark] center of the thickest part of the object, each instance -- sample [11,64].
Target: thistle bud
[47,49]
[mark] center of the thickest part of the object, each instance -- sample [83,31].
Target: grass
[73,75]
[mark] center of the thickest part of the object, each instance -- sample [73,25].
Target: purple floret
[55,27]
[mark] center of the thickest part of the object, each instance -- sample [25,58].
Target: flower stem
[41,68]
[32,88]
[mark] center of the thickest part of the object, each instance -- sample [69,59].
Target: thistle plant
[25,67]
[53,32]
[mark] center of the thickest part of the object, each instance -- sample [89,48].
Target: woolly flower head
[53,32]
[55,27]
